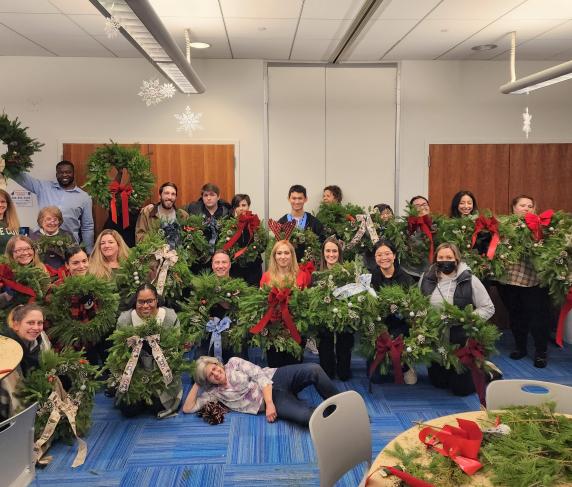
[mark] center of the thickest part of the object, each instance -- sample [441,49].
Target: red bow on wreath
[278,300]
[472,353]
[248,221]
[125,191]
[422,223]
[566,307]
[489,224]
[383,345]
[83,309]
[282,231]
[536,222]
[7,279]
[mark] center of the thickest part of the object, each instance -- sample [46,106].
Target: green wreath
[110,156]
[252,308]
[209,290]
[76,300]
[194,241]
[312,249]
[57,245]
[21,148]
[421,317]
[146,384]
[256,248]
[335,216]
[141,266]
[75,371]
[325,311]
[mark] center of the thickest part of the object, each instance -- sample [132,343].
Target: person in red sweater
[283,269]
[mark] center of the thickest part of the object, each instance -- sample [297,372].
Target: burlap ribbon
[278,300]
[384,345]
[460,444]
[136,342]
[365,225]
[362,284]
[282,231]
[124,191]
[167,258]
[215,327]
[566,307]
[470,355]
[7,278]
[491,225]
[536,222]
[246,221]
[62,405]
[422,223]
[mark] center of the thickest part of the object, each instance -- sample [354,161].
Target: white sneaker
[311,346]
[410,377]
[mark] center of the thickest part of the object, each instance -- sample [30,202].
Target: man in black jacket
[209,204]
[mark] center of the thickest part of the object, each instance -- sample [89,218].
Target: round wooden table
[410,439]
[11,354]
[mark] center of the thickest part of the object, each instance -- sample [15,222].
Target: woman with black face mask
[451,280]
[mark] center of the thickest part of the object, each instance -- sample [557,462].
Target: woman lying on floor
[247,388]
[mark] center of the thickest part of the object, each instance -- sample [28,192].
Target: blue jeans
[289,380]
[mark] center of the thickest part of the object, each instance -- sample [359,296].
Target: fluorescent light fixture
[548,77]
[143,28]
[199,45]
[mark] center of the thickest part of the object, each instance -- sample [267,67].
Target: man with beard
[74,202]
[162,215]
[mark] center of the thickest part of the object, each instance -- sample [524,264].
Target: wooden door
[482,169]
[189,166]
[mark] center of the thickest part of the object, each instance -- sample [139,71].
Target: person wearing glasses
[146,305]
[50,220]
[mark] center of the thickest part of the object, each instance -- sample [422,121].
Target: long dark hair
[455,213]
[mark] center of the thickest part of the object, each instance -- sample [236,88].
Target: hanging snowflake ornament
[112,26]
[526,122]
[151,92]
[189,121]
[167,90]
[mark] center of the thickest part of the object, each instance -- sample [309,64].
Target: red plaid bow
[278,300]
[536,222]
[125,191]
[246,220]
[424,224]
[282,231]
[383,345]
[492,225]
[83,308]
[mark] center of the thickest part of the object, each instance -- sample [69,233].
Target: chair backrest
[342,439]
[17,462]
[525,392]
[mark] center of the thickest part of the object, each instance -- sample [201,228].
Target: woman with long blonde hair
[283,269]
[9,222]
[109,251]
[20,251]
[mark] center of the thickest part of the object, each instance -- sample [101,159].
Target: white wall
[93,100]
[459,102]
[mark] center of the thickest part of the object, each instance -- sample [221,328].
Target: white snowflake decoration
[151,92]
[189,121]
[112,25]
[526,122]
[167,90]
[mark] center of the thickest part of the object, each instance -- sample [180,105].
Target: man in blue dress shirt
[73,201]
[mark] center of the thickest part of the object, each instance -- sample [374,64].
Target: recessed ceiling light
[444,30]
[484,47]
[199,45]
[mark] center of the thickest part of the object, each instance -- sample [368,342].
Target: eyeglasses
[143,302]
[49,219]
[421,205]
[23,250]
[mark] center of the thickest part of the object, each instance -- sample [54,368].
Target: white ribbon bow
[167,258]
[362,284]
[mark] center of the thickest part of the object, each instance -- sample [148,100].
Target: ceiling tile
[270,49]
[471,9]
[76,46]
[13,44]
[267,9]
[186,8]
[331,9]
[540,49]
[322,29]
[75,7]
[36,26]
[407,9]
[316,50]
[543,9]
[562,31]
[261,29]
[27,6]
[120,46]
[92,24]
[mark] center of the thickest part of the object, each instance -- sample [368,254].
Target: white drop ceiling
[302,30]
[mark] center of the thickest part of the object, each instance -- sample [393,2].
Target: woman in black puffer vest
[451,280]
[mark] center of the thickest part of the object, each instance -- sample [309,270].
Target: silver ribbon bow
[366,224]
[215,327]
[362,284]
[136,342]
[167,258]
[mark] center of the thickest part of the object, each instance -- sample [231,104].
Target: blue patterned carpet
[247,451]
